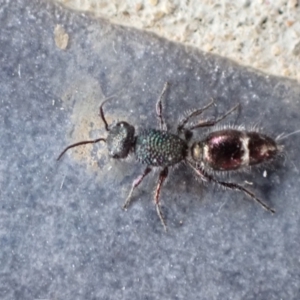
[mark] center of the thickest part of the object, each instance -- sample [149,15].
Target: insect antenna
[101,112]
[78,144]
[102,116]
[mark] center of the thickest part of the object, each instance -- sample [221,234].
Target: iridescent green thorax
[159,148]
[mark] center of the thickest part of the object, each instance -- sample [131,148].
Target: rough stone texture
[262,34]
[63,234]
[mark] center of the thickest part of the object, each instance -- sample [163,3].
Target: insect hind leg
[162,177]
[230,185]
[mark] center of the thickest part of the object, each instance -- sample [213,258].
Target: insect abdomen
[224,150]
[159,148]
[231,149]
[261,148]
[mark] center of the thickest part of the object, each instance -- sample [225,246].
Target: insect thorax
[159,148]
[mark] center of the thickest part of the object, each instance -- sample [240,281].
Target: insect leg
[135,184]
[163,125]
[196,112]
[231,186]
[162,177]
[213,122]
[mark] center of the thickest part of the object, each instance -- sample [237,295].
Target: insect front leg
[135,184]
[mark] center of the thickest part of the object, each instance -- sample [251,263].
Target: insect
[221,150]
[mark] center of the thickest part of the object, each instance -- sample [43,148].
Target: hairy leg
[135,184]
[163,125]
[162,177]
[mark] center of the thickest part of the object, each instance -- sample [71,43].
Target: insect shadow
[221,150]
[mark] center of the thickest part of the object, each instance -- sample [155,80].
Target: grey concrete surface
[63,234]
